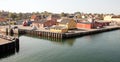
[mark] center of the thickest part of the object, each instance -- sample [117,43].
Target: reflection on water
[70,42]
[104,47]
[7,54]
[17,45]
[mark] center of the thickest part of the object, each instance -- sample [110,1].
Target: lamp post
[9,23]
[8,28]
[10,31]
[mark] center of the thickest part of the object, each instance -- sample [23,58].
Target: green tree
[13,16]
[64,14]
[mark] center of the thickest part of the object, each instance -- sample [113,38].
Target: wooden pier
[74,33]
[8,44]
[42,33]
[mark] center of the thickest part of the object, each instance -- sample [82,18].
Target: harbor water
[102,47]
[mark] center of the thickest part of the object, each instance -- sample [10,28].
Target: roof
[59,20]
[115,16]
[85,22]
[55,15]
[102,20]
[58,27]
[2,19]
[65,21]
[40,21]
[82,19]
[33,16]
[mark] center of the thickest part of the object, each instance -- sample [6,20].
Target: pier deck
[3,41]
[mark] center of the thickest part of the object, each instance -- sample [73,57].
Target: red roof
[2,19]
[33,16]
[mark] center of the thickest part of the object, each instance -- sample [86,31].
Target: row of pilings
[9,31]
[42,33]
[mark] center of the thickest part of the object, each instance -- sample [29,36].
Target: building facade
[68,23]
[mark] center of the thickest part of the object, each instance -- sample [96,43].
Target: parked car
[24,23]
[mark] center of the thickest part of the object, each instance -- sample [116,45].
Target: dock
[8,44]
[69,34]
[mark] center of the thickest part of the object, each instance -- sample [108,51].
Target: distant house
[64,25]
[35,18]
[2,19]
[112,18]
[68,23]
[85,25]
[92,25]
[43,23]
[53,18]
[58,21]
[58,29]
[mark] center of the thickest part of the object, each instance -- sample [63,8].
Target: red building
[92,25]
[43,23]
[35,18]
[85,25]
[53,18]
[2,19]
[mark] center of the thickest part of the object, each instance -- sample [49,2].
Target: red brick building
[2,19]
[92,25]
[84,25]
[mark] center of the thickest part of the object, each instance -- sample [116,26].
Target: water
[103,47]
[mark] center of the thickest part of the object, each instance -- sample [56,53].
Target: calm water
[103,47]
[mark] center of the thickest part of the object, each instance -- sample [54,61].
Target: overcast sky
[58,6]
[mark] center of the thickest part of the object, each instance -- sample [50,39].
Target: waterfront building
[58,29]
[53,19]
[68,23]
[43,23]
[35,18]
[85,25]
[112,18]
[91,24]
[2,19]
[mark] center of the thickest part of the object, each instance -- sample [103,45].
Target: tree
[64,14]
[77,13]
[13,16]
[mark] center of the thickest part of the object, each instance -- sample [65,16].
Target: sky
[58,6]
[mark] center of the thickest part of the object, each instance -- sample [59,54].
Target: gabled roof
[58,27]
[55,16]
[65,21]
[115,16]
[40,21]
[2,19]
[59,20]
[33,16]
